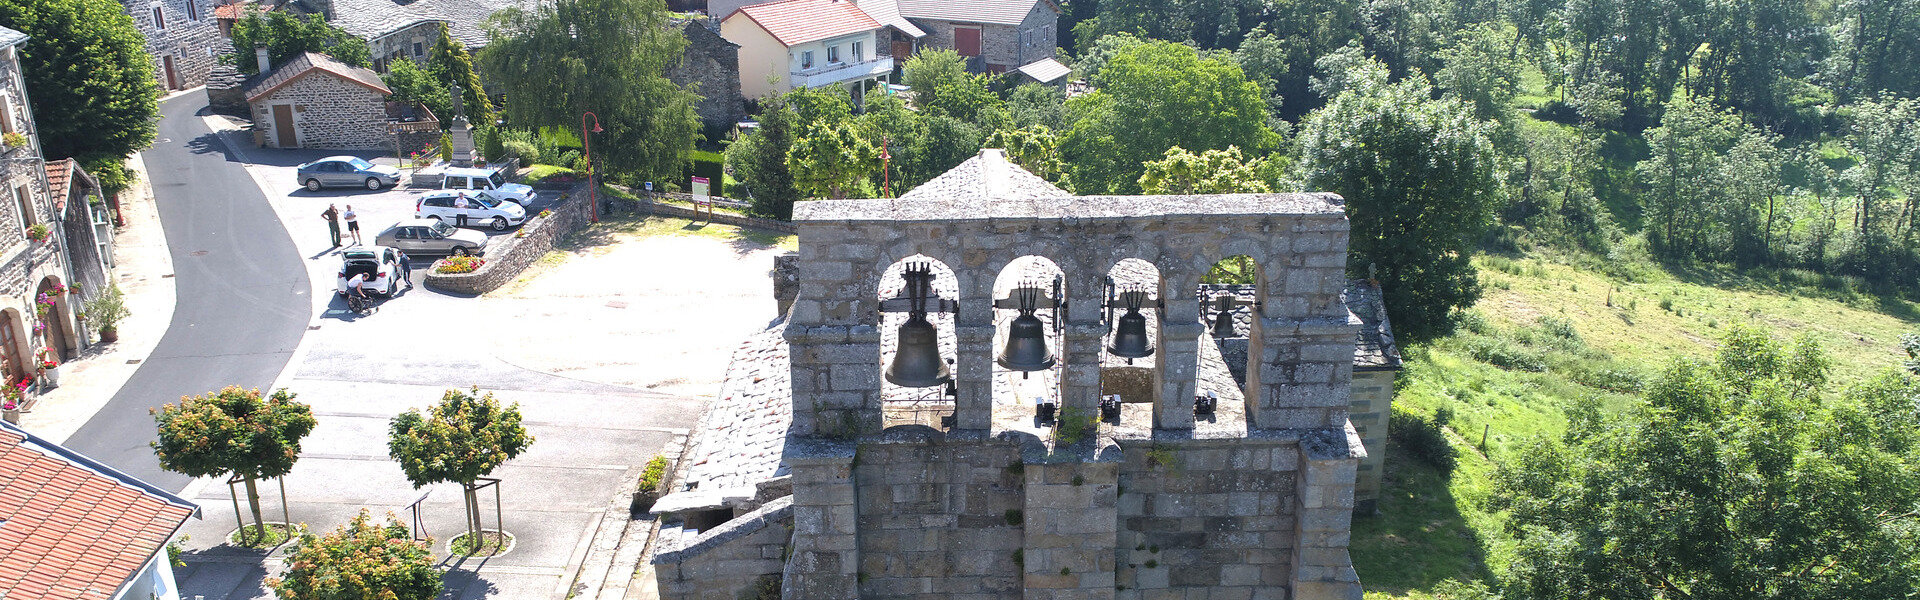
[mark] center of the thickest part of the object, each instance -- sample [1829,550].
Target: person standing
[332,215]
[406,268]
[353,224]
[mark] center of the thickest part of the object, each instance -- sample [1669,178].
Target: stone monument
[461,135]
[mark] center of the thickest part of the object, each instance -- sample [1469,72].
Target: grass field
[1548,333]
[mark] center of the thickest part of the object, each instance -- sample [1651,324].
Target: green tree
[461,439]
[1481,70]
[287,35]
[759,159]
[233,431]
[1737,479]
[451,65]
[947,143]
[970,100]
[1154,96]
[1034,148]
[90,78]
[827,159]
[561,59]
[359,561]
[1682,176]
[1418,178]
[926,71]
[412,84]
[1034,104]
[1209,172]
[1885,136]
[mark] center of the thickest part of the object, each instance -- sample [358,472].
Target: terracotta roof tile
[796,22]
[59,175]
[71,528]
[231,11]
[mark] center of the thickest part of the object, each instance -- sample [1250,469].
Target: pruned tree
[459,440]
[359,561]
[1209,172]
[233,431]
[1035,148]
[827,159]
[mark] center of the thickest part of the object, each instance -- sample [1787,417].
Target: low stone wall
[647,205]
[505,260]
[727,562]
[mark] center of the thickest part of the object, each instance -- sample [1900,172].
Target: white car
[378,263]
[489,181]
[469,209]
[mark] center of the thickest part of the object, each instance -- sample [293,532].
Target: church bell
[916,359]
[1223,316]
[1026,348]
[1130,336]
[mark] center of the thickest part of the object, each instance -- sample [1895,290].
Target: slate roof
[994,12]
[72,528]
[887,12]
[308,61]
[986,176]
[741,438]
[1375,349]
[9,37]
[795,22]
[372,19]
[1045,70]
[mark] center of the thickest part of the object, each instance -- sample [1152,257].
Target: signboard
[700,197]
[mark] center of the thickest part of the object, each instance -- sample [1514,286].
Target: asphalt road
[243,294]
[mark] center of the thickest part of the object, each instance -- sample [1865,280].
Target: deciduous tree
[88,75]
[461,439]
[1154,96]
[1209,172]
[233,431]
[828,159]
[287,35]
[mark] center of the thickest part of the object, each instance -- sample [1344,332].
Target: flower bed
[458,264]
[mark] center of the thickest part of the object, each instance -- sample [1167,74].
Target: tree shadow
[462,584]
[210,143]
[1418,538]
[1879,298]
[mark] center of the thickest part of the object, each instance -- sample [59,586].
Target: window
[833,55]
[25,200]
[193,10]
[6,115]
[159,19]
[408,233]
[806,59]
[856,51]
[419,50]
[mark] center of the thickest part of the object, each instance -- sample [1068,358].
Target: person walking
[406,268]
[332,215]
[353,224]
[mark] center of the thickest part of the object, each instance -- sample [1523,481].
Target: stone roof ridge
[1375,347]
[11,37]
[985,176]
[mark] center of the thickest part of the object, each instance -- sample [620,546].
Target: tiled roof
[371,19]
[1375,348]
[308,61]
[986,176]
[71,528]
[232,11]
[9,37]
[1045,70]
[795,22]
[741,438]
[994,12]
[58,173]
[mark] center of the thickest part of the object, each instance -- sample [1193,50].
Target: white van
[470,209]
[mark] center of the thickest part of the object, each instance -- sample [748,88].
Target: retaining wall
[510,255]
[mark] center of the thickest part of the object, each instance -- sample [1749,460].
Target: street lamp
[586,136]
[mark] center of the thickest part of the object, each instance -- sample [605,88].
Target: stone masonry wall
[1004,46]
[510,255]
[194,44]
[328,112]
[728,561]
[1207,517]
[1372,402]
[939,517]
[710,66]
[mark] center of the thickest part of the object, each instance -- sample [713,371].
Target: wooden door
[173,80]
[966,41]
[283,126]
[901,50]
[14,366]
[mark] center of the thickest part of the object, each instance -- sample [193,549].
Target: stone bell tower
[1159,500]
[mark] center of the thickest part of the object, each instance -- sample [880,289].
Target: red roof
[58,172]
[796,22]
[73,529]
[231,11]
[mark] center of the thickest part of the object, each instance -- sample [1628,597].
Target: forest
[1652,264]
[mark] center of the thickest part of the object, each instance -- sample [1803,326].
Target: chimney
[260,57]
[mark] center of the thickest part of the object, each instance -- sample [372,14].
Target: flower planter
[109,335]
[51,376]
[12,415]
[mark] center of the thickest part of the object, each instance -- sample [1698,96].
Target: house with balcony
[806,43]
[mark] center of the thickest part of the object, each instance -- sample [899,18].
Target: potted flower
[108,310]
[49,367]
[13,401]
[39,232]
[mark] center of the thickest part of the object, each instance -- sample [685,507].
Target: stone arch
[1228,341]
[13,346]
[1014,392]
[58,335]
[889,284]
[1133,379]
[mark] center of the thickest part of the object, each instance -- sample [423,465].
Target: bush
[458,264]
[1421,438]
[655,471]
[1504,354]
[569,159]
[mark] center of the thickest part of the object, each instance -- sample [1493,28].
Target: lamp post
[586,136]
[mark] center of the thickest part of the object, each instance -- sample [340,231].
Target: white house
[805,43]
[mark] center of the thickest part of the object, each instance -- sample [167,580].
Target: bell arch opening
[1230,294]
[1027,340]
[918,350]
[1131,315]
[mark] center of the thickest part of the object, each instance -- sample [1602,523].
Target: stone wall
[674,210]
[226,91]
[194,44]
[726,562]
[940,516]
[1372,403]
[1002,47]
[328,112]
[399,45]
[509,255]
[1207,515]
[710,66]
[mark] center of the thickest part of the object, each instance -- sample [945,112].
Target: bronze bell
[917,363]
[1026,348]
[1130,336]
[1223,316]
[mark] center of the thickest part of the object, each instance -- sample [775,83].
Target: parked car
[346,171]
[378,263]
[428,236]
[490,181]
[470,209]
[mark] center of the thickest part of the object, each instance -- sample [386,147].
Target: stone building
[396,29]
[816,475]
[36,310]
[1000,34]
[183,36]
[314,101]
[710,66]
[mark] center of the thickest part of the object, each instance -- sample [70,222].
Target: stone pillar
[835,348]
[973,370]
[1080,375]
[1071,527]
[825,556]
[461,137]
[1303,334]
[1322,569]
[786,281]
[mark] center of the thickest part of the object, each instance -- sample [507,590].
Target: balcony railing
[831,73]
